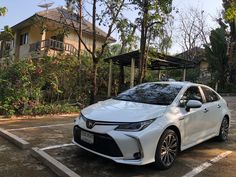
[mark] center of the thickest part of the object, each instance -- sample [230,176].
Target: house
[197,55]
[48,33]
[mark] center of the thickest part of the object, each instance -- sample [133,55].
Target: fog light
[137,155]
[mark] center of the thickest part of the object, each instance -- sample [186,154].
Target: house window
[58,38]
[24,38]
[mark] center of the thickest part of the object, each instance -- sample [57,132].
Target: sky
[20,10]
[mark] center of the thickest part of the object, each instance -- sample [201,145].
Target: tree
[151,15]
[128,37]
[109,17]
[3,11]
[5,36]
[161,39]
[216,53]
[77,5]
[230,17]
[192,30]
[128,40]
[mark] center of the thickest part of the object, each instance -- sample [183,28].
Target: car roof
[183,83]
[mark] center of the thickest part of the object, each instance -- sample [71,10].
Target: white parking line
[205,165]
[42,126]
[57,146]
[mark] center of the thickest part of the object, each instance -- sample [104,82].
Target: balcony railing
[54,45]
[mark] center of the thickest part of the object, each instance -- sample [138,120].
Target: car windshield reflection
[151,93]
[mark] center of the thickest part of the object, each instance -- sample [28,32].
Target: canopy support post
[184,74]
[159,75]
[132,70]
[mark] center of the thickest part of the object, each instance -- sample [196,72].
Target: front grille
[103,143]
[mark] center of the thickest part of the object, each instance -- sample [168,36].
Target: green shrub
[53,109]
[27,86]
[20,87]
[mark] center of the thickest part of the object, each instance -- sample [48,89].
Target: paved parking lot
[53,135]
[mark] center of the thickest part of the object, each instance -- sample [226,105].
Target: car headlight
[78,118]
[136,126]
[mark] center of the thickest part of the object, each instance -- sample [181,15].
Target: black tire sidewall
[158,161]
[220,137]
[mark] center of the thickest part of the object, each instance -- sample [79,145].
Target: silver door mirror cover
[193,104]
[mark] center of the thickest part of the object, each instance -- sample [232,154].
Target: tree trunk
[232,51]
[95,59]
[80,30]
[94,84]
[142,59]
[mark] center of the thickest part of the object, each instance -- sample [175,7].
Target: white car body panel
[117,111]
[194,126]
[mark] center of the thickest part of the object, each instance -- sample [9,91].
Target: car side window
[192,93]
[210,95]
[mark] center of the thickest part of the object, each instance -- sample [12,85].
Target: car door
[212,108]
[193,121]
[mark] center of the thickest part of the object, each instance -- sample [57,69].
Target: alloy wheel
[169,149]
[224,128]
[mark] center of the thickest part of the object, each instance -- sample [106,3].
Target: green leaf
[3,11]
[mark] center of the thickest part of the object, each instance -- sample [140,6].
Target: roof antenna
[44,4]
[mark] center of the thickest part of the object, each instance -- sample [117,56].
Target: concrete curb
[57,167]
[19,142]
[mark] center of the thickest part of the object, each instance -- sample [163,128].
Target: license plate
[87,137]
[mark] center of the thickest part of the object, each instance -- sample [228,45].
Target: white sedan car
[152,122]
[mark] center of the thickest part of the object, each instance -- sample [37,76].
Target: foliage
[128,38]
[230,10]
[108,15]
[229,88]
[27,85]
[19,88]
[7,34]
[152,15]
[3,11]
[216,54]
[52,109]
[50,85]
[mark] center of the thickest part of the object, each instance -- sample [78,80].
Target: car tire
[224,130]
[167,150]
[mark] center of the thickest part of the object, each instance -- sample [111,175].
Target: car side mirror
[193,104]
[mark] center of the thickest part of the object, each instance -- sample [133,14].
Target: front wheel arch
[176,130]
[171,149]
[227,117]
[223,132]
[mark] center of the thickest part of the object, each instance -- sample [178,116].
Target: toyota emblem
[90,124]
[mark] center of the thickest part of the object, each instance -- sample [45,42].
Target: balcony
[54,45]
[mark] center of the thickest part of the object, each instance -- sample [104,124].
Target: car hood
[122,111]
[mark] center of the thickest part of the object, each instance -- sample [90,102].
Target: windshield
[151,93]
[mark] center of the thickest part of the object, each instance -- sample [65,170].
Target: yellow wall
[35,35]
[72,38]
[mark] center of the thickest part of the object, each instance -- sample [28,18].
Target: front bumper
[134,148]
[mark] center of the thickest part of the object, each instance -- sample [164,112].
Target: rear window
[210,95]
[151,93]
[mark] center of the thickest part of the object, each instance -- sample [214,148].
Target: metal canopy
[158,61]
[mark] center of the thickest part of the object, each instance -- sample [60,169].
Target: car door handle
[206,110]
[218,106]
